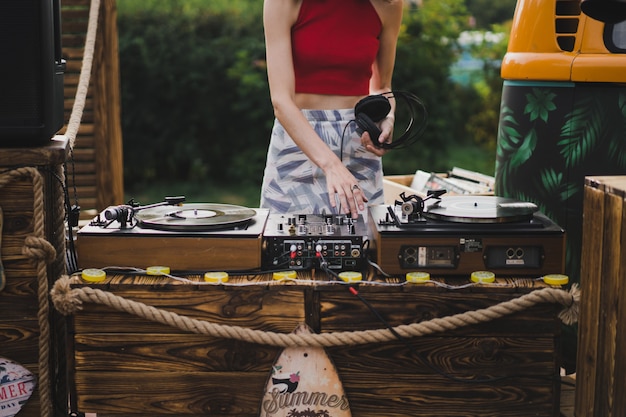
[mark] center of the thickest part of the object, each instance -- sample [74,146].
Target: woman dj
[323,56]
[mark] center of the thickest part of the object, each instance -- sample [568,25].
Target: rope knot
[38,249]
[64,300]
[569,315]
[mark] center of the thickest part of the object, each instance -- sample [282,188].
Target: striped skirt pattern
[293,184]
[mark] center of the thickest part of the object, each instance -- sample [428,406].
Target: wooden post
[107,119]
[601,370]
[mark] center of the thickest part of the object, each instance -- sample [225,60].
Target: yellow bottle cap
[483,276]
[158,270]
[556,279]
[417,277]
[350,276]
[216,277]
[280,275]
[93,275]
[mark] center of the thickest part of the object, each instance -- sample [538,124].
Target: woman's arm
[390,13]
[278,18]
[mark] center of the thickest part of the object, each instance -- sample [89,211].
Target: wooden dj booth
[129,363]
[126,365]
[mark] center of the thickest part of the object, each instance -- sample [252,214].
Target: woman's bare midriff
[325,102]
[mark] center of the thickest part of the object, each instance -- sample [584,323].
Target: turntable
[457,235]
[192,236]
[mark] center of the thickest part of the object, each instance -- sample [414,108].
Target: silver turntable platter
[480,209]
[194,217]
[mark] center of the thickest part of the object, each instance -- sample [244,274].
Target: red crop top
[334,44]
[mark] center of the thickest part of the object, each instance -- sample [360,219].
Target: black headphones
[372,109]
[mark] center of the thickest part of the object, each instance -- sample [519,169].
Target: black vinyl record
[480,209]
[194,217]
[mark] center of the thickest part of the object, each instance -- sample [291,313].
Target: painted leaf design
[509,137]
[571,190]
[617,145]
[539,104]
[551,180]
[525,151]
[581,132]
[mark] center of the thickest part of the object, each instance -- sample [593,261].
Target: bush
[194,96]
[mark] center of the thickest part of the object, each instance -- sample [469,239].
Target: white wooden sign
[304,383]
[16,386]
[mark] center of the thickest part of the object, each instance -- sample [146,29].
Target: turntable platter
[480,209]
[194,217]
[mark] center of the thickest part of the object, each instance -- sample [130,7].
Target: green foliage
[427,48]
[195,99]
[489,12]
[484,120]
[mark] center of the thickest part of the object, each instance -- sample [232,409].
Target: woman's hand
[386,136]
[344,190]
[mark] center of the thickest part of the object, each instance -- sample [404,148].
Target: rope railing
[68,300]
[85,75]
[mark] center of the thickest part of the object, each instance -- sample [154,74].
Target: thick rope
[41,252]
[68,300]
[85,74]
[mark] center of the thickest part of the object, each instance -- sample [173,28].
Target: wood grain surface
[127,365]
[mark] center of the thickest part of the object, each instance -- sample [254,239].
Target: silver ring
[355,187]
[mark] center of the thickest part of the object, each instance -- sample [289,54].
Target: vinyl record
[194,217]
[480,209]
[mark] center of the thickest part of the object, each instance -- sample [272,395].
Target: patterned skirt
[293,184]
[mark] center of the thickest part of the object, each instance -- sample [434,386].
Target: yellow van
[563,108]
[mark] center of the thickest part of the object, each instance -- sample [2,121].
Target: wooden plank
[174,352]
[85,180]
[255,308]
[55,151]
[374,395]
[370,394]
[402,308]
[75,13]
[470,357]
[619,386]
[19,327]
[590,279]
[190,253]
[84,155]
[609,290]
[178,393]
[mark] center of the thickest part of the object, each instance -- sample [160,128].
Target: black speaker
[31,72]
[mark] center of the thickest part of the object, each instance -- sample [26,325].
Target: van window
[615,37]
